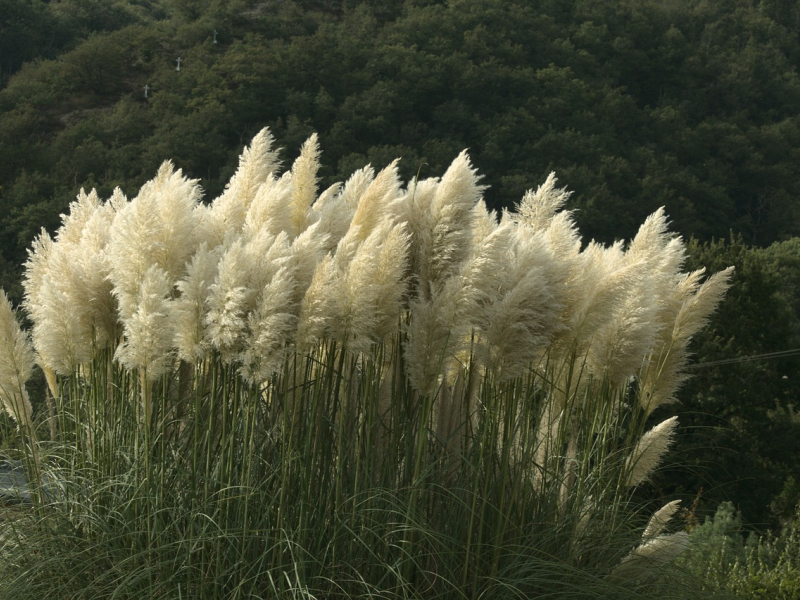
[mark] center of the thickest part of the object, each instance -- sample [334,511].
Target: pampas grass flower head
[16,364]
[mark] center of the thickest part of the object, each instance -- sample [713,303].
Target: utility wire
[741,359]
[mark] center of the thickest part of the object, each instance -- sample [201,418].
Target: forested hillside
[689,104]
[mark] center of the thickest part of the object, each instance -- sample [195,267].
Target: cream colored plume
[271,328]
[660,519]
[621,346]
[304,181]
[68,294]
[373,199]
[438,330]
[189,310]
[86,281]
[332,217]
[538,208]
[36,267]
[157,228]
[16,365]
[687,310]
[148,331]
[370,288]
[307,250]
[650,450]
[517,325]
[256,164]
[270,209]
[229,300]
[245,268]
[319,305]
[356,185]
[80,211]
[440,218]
[264,255]
[374,202]
[598,280]
[62,338]
[442,319]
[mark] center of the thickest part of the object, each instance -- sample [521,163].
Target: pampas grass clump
[373,390]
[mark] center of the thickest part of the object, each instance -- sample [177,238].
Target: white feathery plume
[264,254]
[518,325]
[308,249]
[87,281]
[331,196]
[649,451]
[245,268]
[188,311]
[270,208]
[625,344]
[651,555]
[374,201]
[356,185]
[228,300]
[271,327]
[484,222]
[116,202]
[563,237]
[149,331]
[692,305]
[319,305]
[159,227]
[16,365]
[371,287]
[445,237]
[36,267]
[80,211]
[537,209]
[333,217]
[304,190]
[659,520]
[256,165]
[372,198]
[413,209]
[331,193]
[652,241]
[596,285]
[437,330]
[67,291]
[62,337]
[485,272]
[698,307]
[578,280]
[441,322]
[620,347]
[390,283]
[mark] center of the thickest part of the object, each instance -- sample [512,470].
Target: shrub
[372,391]
[753,567]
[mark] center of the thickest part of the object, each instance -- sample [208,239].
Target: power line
[741,359]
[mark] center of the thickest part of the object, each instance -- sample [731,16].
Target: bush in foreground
[373,391]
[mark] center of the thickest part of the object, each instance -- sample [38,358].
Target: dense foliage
[690,104]
[760,568]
